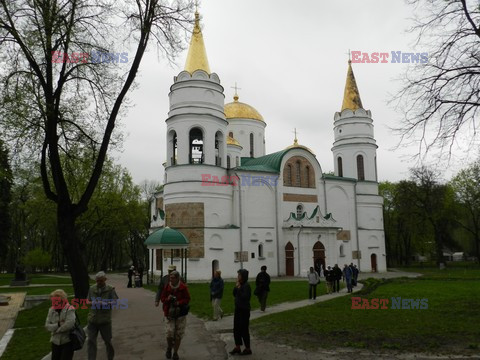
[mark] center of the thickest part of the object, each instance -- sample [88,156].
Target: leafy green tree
[435,205]
[5,198]
[466,185]
[38,259]
[66,109]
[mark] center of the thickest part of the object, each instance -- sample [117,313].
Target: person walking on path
[262,287]
[130,275]
[60,322]
[163,282]
[337,276]
[241,318]
[216,294]
[175,298]
[347,276]
[355,272]
[101,296]
[329,278]
[313,280]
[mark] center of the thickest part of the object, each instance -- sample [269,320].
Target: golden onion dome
[232,141]
[239,110]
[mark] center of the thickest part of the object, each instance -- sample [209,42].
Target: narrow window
[228,161]
[288,175]
[260,250]
[230,134]
[251,145]
[340,166]
[360,168]
[307,175]
[297,173]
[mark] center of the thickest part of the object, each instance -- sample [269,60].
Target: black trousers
[241,323]
[262,299]
[336,285]
[313,288]
[62,352]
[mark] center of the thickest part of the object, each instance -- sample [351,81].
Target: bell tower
[355,148]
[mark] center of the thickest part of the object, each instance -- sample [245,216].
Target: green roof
[267,163]
[167,237]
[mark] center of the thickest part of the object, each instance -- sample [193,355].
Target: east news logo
[396,303]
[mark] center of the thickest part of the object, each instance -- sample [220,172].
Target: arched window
[230,134]
[297,174]
[260,250]
[219,148]
[288,174]
[196,155]
[340,166]
[228,161]
[342,253]
[237,161]
[299,210]
[360,168]
[307,175]
[172,149]
[251,146]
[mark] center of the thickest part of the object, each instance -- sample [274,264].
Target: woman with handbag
[60,322]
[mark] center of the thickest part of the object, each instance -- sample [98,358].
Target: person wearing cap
[241,318]
[163,282]
[101,296]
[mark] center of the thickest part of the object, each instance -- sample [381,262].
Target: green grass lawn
[38,290]
[280,292]
[450,324]
[5,279]
[30,340]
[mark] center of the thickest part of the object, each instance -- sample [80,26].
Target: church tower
[355,148]
[355,158]
[197,153]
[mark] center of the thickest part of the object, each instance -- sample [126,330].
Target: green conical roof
[167,237]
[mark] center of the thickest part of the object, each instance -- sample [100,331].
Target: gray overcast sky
[290,60]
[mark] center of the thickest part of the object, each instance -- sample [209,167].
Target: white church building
[242,208]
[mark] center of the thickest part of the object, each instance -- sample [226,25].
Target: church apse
[189,219]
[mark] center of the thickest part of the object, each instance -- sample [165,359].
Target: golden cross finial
[349,55]
[196,6]
[235,97]
[295,141]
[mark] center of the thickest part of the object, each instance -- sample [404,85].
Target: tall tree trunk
[74,253]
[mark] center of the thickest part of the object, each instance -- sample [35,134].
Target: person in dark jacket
[241,318]
[130,275]
[216,294]
[262,287]
[337,276]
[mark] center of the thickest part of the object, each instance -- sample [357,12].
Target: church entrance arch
[214,266]
[289,259]
[373,260]
[318,256]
